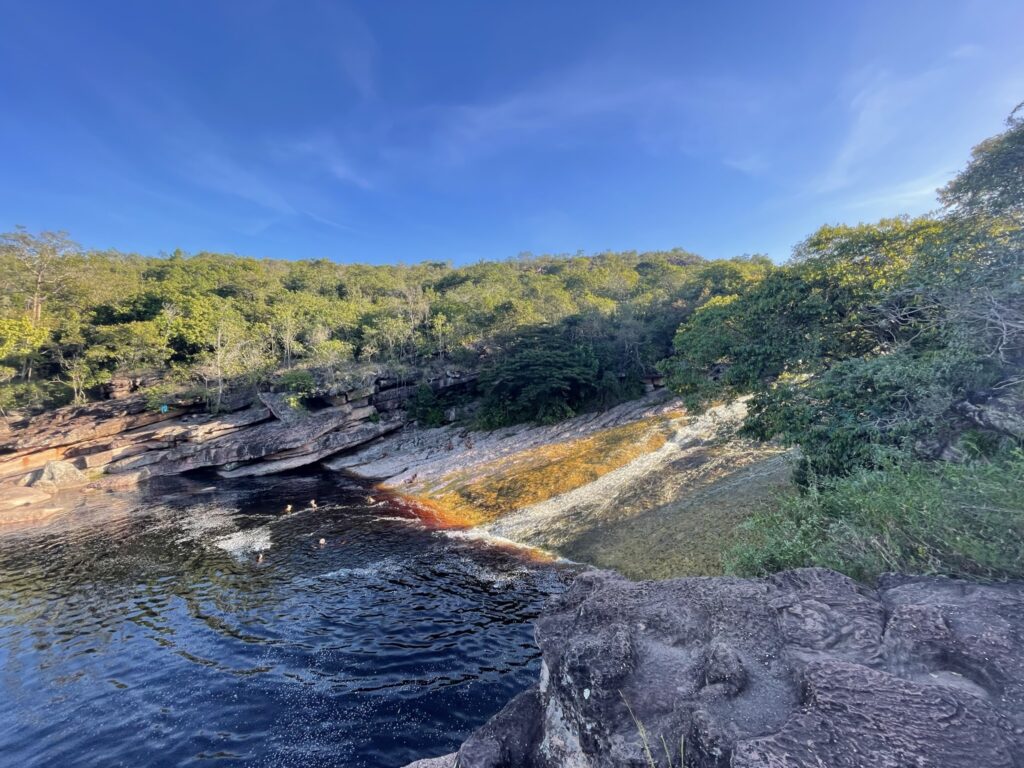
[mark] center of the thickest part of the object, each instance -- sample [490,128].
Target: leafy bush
[940,518]
[297,380]
[541,377]
[870,412]
[426,407]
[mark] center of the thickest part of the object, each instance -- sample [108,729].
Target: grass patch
[954,519]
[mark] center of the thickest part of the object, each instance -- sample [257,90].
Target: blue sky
[403,131]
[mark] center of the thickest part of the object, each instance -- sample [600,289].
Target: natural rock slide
[597,488]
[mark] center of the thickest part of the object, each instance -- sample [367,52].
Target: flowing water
[207,627]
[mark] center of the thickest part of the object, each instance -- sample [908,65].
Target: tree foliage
[862,347]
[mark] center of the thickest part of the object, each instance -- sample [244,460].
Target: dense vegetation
[70,320]
[892,354]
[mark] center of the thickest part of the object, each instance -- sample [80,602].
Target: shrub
[297,380]
[941,518]
[426,407]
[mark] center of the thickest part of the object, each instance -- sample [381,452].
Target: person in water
[288,509]
[312,503]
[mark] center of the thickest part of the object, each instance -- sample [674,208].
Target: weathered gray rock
[281,405]
[78,424]
[806,668]
[313,451]
[264,439]
[56,475]
[1002,414]
[256,434]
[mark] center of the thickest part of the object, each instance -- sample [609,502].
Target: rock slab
[805,668]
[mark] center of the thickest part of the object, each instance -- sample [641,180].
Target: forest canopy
[71,319]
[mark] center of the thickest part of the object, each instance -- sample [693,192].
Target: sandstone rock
[68,426]
[362,412]
[398,393]
[309,453]
[15,497]
[280,404]
[256,442]
[56,475]
[806,668]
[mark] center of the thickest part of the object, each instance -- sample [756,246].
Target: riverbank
[598,488]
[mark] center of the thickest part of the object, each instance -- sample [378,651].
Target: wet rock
[806,668]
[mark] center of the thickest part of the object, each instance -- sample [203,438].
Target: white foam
[487,537]
[243,542]
[203,520]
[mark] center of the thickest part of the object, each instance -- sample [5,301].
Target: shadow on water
[204,625]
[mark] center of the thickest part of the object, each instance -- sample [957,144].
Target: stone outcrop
[57,474]
[805,668]
[117,442]
[596,488]
[1000,414]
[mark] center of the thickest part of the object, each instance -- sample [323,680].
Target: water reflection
[210,625]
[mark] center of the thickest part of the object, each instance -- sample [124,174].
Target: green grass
[943,518]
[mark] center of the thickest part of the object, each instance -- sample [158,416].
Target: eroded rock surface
[116,443]
[806,668]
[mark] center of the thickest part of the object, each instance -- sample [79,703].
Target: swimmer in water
[322,542]
[312,503]
[260,558]
[288,509]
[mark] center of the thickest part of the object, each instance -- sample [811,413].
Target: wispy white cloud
[907,195]
[353,45]
[915,118]
[880,109]
[221,173]
[686,114]
[327,156]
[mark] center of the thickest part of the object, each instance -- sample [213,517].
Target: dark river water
[155,634]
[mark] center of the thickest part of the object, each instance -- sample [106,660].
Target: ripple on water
[155,634]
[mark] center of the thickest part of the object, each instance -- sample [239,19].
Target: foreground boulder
[806,668]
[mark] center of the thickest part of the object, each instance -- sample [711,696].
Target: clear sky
[401,131]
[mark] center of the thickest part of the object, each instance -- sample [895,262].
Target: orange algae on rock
[485,492]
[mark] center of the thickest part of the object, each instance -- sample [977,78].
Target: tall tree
[42,265]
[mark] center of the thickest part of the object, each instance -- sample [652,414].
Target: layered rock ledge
[47,460]
[805,668]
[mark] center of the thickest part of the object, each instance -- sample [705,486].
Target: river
[201,624]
